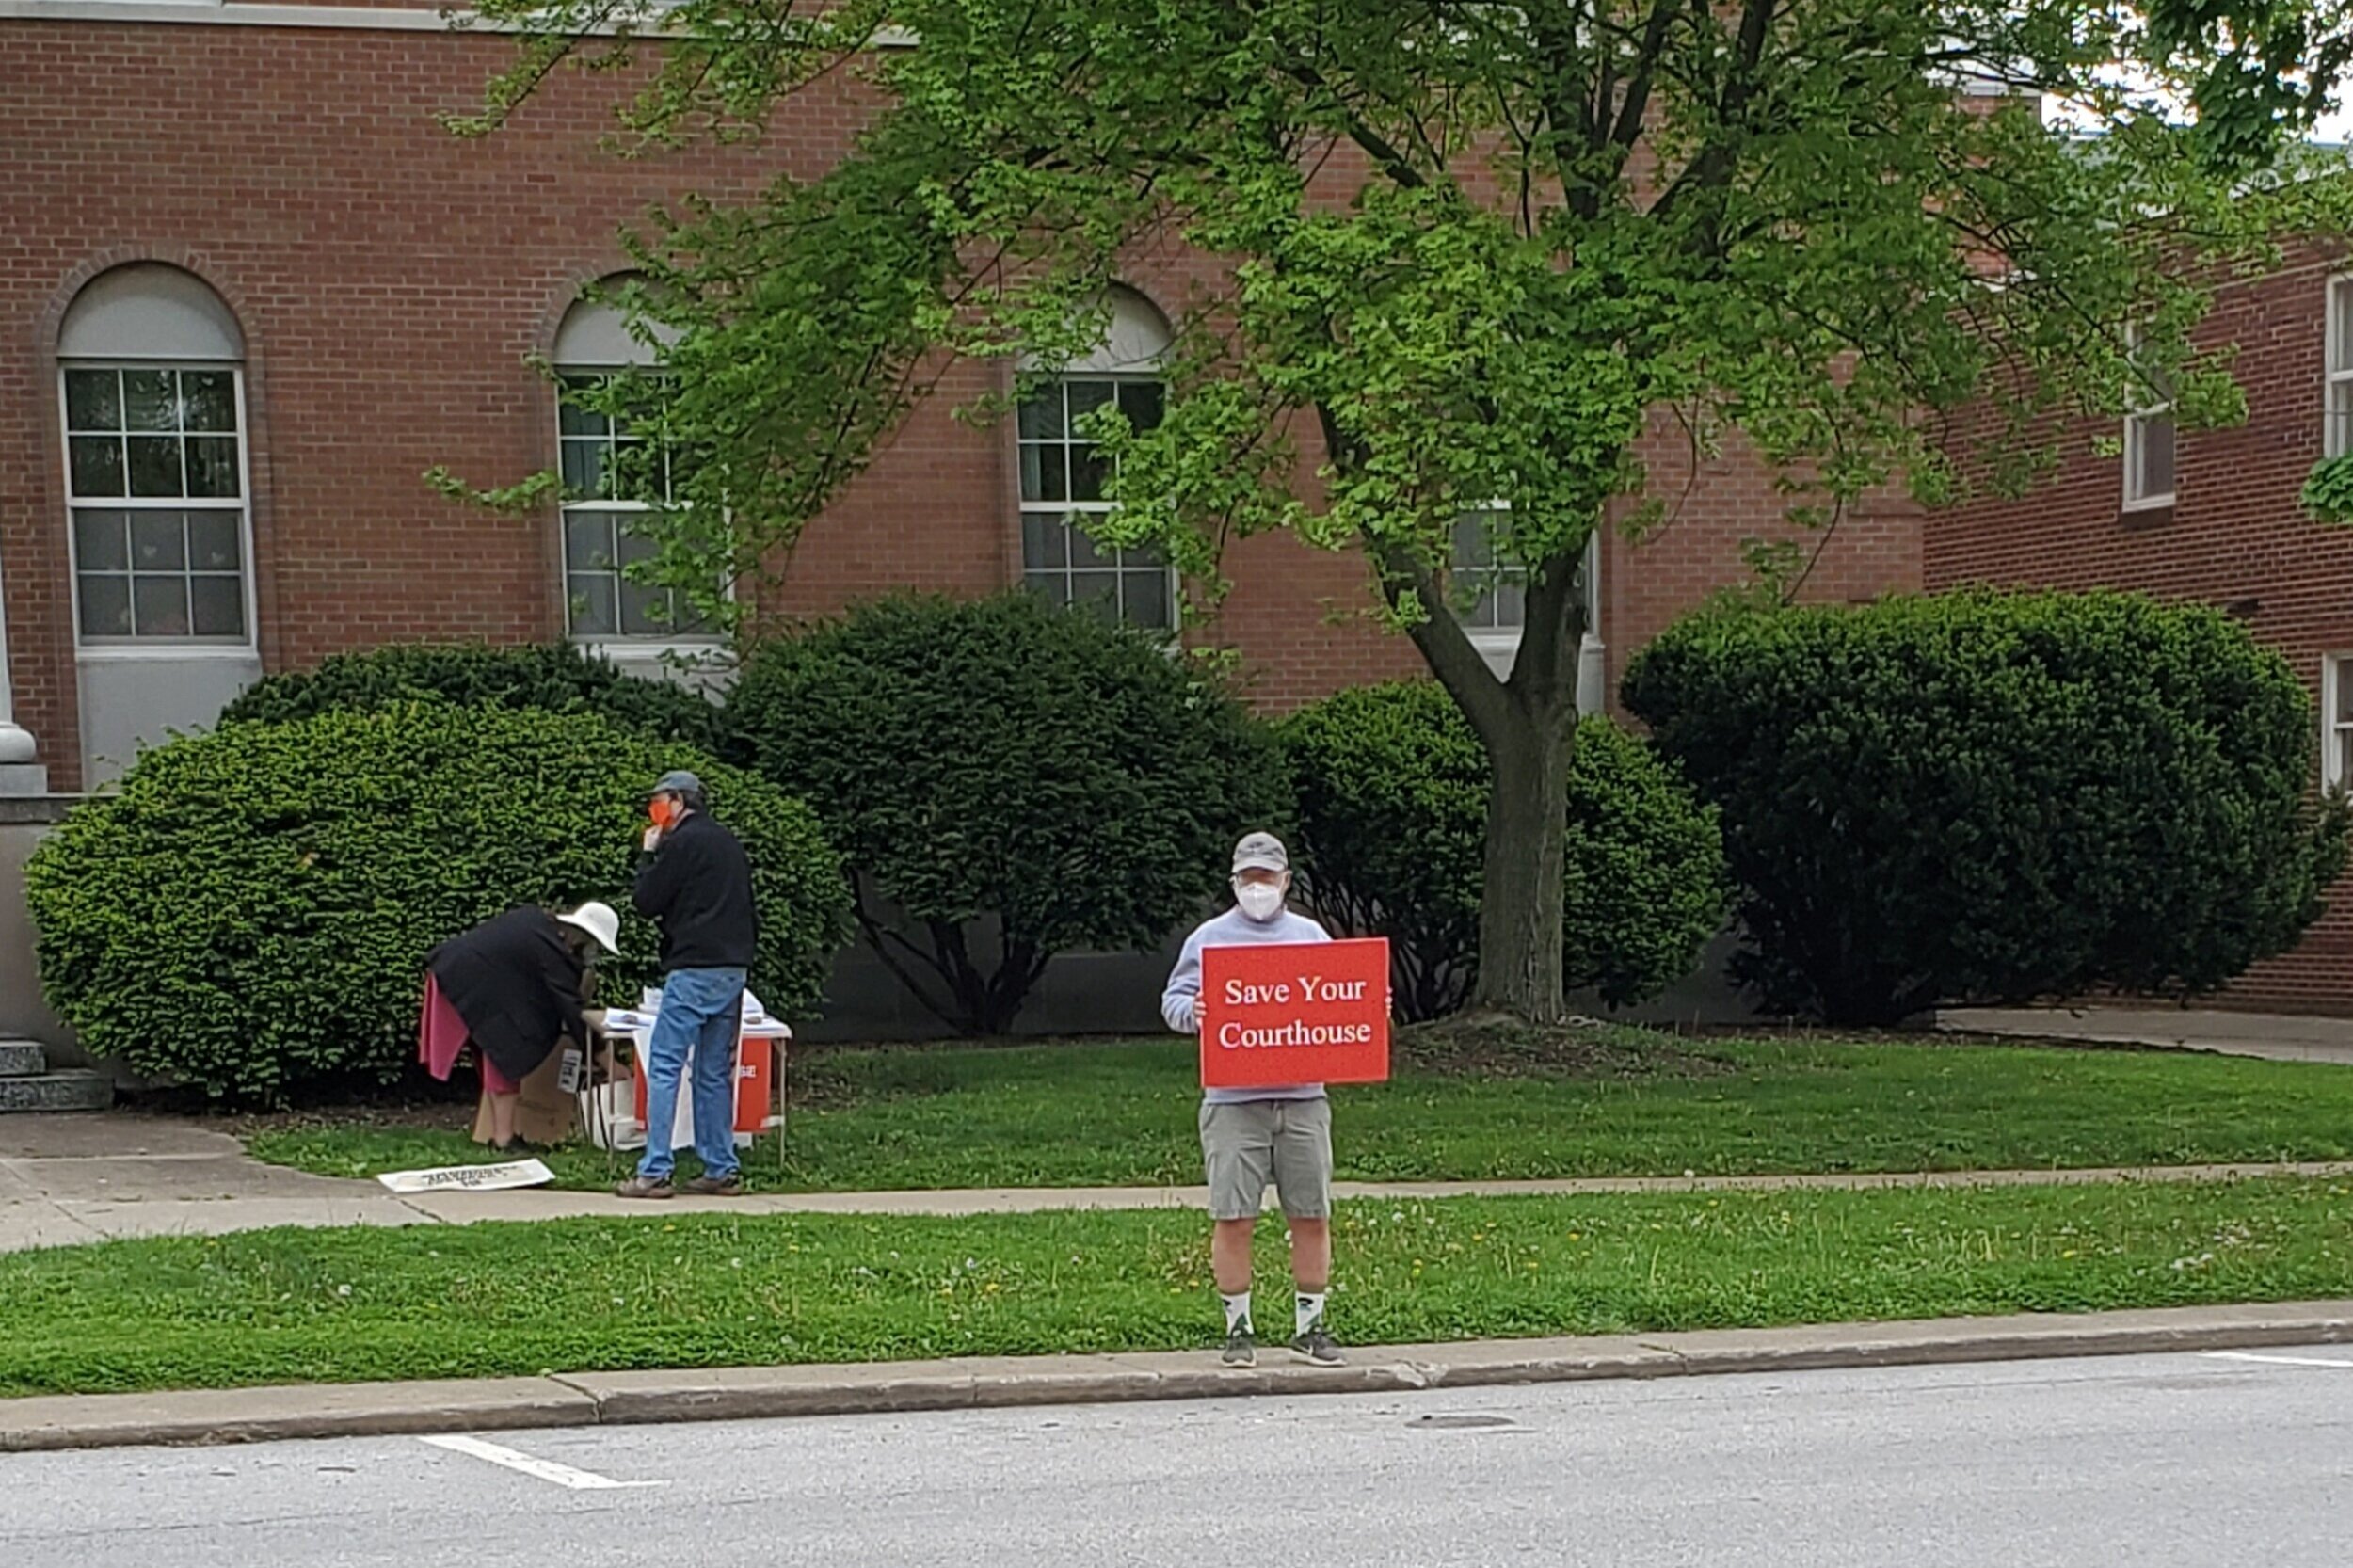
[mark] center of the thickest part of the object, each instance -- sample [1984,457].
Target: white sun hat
[600,921]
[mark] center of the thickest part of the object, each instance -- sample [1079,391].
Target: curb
[50,1424]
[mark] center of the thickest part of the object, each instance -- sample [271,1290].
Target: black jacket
[697,887]
[516,981]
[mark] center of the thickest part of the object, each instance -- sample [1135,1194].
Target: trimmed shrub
[1393,812]
[1992,798]
[1066,785]
[252,910]
[556,677]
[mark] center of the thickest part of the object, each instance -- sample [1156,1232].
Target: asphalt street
[2152,1461]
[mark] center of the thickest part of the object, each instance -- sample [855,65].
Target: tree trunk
[1520,906]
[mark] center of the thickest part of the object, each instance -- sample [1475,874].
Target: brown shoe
[647,1187]
[729,1186]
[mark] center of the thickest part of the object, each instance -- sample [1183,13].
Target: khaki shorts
[1250,1142]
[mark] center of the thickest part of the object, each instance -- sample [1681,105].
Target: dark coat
[517,983]
[697,887]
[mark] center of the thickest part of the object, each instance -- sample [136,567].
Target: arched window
[1063,473]
[612,474]
[151,382]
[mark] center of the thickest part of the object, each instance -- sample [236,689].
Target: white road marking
[2279,1360]
[543,1469]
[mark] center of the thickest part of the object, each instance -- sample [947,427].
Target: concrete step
[73,1089]
[21,1059]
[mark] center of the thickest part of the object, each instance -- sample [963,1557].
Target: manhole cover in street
[1460,1423]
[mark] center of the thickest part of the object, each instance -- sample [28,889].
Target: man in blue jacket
[696,884]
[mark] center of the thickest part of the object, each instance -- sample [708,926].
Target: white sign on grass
[470,1178]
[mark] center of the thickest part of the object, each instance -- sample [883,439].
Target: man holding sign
[1253,1131]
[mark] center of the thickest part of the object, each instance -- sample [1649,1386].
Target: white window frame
[135,648]
[2336,734]
[617,644]
[2336,385]
[2136,424]
[1060,383]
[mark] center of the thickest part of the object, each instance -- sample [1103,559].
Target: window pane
[2341,325]
[2340,433]
[1510,606]
[2345,758]
[589,541]
[211,466]
[1146,599]
[593,611]
[1049,585]
[219,603]
[159,606]
[150,401]
[1087,397]
[158,542]
[634,546]
[1043,474]
[97,465]
[2343,683]
[1087,473]
[1097,592]
[1141,402]
[208,399]
[1045,540]
[2153,448]
[105,606]
[636,473]
[101,541]
[156,466]
[212,544]
[1084,551]
[574,419]
[583,466]
[646,610]
[1041,416]
[93,400]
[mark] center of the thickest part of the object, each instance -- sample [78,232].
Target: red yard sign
[1297,1013]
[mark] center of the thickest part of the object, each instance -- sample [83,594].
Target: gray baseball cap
[1261,851]
[677,782]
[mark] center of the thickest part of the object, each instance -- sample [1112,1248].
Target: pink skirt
[441,1034]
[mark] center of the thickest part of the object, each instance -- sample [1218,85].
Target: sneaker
[1317,1348]
[727,1185]
[647,1187]
[1241,1349]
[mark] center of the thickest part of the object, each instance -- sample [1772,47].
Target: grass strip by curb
[1079,1115]
[494,1299]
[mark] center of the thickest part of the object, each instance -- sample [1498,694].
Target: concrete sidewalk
[2277,1036]
[620,1398]
[66,1179]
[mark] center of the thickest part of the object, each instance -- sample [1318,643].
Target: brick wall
[2234,537]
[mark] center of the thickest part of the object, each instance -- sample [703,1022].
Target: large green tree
[1460,255]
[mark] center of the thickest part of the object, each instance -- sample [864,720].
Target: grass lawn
[276,1306]
[1067,1115]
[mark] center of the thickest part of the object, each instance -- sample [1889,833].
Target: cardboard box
[545,1114]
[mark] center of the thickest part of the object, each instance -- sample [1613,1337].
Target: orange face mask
[663,812]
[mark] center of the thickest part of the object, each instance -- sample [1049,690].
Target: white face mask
[1259,901]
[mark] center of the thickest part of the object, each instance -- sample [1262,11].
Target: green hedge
[1065,785]
[252,910]
[1393,809]
[1993,798]
[556,677]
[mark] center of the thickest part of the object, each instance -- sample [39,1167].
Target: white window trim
[1067,509]
[2133,421]
[129,650]
[1500,641]
[614,645]
[2335,669]
[2336,435]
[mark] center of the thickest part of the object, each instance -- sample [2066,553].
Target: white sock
[1236,1311]
[1310,1306]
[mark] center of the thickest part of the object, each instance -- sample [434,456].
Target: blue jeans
[701,1008]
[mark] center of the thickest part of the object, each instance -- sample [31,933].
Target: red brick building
[2214,516]
[250,291]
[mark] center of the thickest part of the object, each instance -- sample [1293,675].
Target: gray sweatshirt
[1181,1002]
